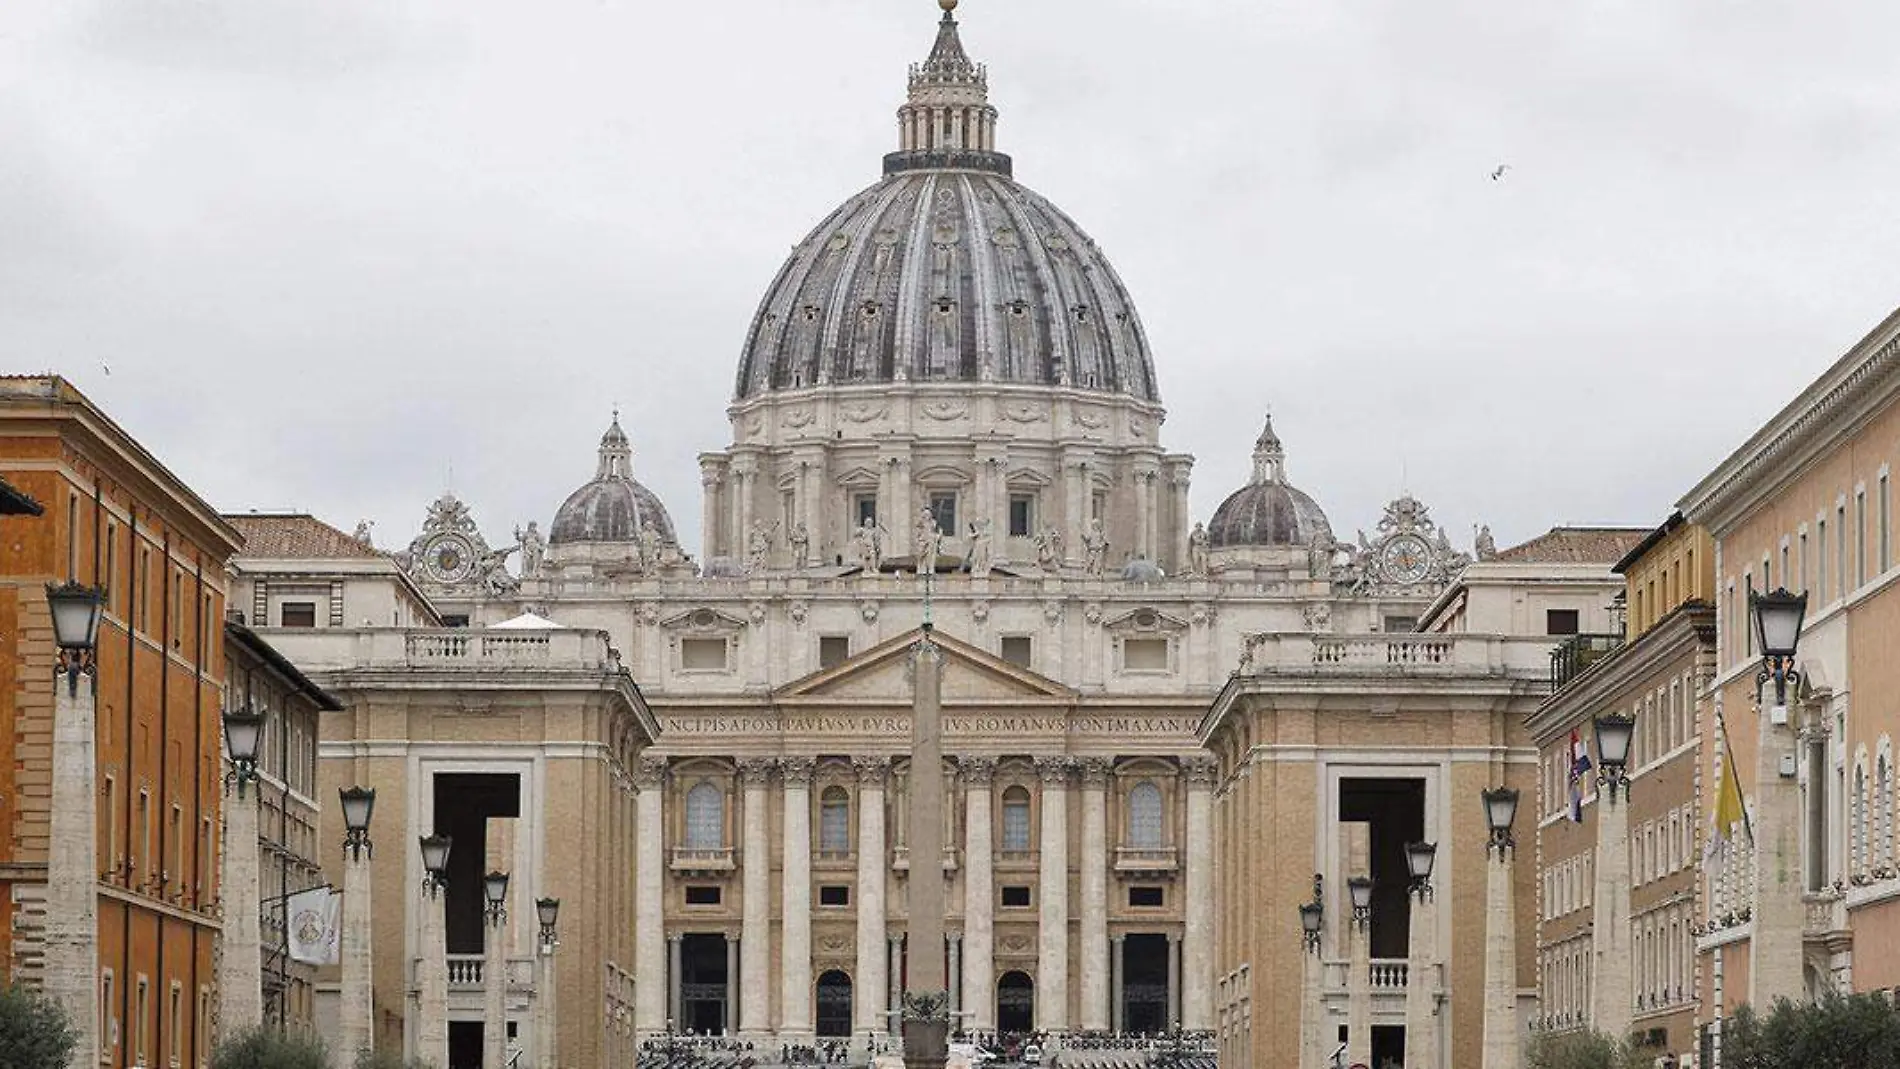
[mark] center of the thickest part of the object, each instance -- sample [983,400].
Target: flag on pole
[1579,768]
[1730,809]
[314,927]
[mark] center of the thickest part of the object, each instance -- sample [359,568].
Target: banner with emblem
[315,932]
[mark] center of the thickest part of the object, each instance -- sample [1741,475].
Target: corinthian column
[872,960]
[755,932]
[1095,893]
[979,894]
[1052,949]
[72,874]
[795,1020]
[1197,940]
[649,917]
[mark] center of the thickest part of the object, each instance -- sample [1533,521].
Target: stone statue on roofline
[534,549]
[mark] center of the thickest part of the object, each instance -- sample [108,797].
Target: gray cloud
[381,241]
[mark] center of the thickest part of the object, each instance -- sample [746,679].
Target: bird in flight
[1499,173]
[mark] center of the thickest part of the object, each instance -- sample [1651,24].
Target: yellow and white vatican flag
[315,926]
[1730,810]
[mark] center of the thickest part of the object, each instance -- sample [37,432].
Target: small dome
[1268,511]
[614,507]
[1143,570]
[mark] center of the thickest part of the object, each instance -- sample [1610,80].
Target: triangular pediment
[883,674]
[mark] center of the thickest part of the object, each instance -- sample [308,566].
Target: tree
[34,1030]
[1582,1050]
[1837,1032]
[267,1048]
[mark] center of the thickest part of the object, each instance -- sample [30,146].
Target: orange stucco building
[112,515]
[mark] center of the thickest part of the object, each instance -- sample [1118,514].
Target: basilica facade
[946,410]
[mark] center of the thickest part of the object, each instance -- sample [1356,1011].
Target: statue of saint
[533,549]
[758,545]
[981,556]
[800,540]
[1095,547]
[1486,545]
[869,542]
[649,546]
[928,540]
[362,534]
[1198,550]
[1319,556]
[1049,548]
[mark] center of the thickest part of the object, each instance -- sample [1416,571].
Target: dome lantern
[947,119]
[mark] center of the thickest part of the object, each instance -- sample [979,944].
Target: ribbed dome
[614,506]
[1268,511]
[947,270]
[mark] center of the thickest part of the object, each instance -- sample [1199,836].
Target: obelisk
[926,1008]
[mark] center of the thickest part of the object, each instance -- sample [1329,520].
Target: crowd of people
[1076,1050]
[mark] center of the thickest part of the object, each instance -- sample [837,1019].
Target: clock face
[1407,559]
[449,560]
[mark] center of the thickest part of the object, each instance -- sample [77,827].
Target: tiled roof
[15,503]
[295,537]
[1577,545]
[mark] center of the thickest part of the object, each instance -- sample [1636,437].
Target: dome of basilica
[947,270]
[613,506]
[1268,511]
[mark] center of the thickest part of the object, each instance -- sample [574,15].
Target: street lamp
[77,609]
[1419,858]
[1777,622]
[1359,889]
[358,803]
[1500,810]
[547,910]
[1614,731]
[1313,916]
[435,862]
[243,732]
[495,890]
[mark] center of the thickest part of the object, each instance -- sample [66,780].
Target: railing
[1145,859]
[1579,652]
[478,645]
[687,859]
[454,647]
[1382,974]
[1375,651]
[1382,653]
[1390,974]
[469,972]
[1823,913]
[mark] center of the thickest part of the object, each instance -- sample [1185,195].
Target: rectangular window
[455,619]
[1016,897]
[177,1023]
[72,537]
[943,505]
[702,896]
[833,650]
[1860,537]
[1560,621]
[145,833]
[1098,506]
[111,580]
[1804,560]
[1018,650]
[1785,573]
[1748,613]
[1401,625]
[863,508]
[176,871]
[1820,555]
[141,1019]
[297,614]
[1840,550]
[203,883]
[144,584]
[703,654]
[1886,528]
[834,894]
[111,821]
[1145,897]
[1145,655]
[108,1024]
[1022,515]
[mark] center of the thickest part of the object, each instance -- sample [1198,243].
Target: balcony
[900,859]
[688,859]
[468,972]
[1577,653]
[1385,974]
[1388,654]
[1145,859]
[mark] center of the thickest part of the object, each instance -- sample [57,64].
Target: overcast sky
[332,251]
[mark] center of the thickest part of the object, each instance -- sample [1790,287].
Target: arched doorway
[834,1003]
[1015,1003]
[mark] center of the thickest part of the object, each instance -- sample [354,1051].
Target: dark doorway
[1145,991]
[834,1004]
[464,803]
[1015,1003]
[1395,810]
[465,1045]
[1388,1044]
[703,983]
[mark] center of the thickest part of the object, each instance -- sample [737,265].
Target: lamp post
[1421,1037]
[357,1012]
[1612,983]
[72,862]
[1312,928]
[1775,949]
[548,912]
[495,973]
[432,969]
[1500,937]
[1359,979]
[241,970]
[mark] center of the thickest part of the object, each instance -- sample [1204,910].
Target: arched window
[1858,820]
[834,821]
[1883,809]
[1144,816]
[705,818]
[1016,819]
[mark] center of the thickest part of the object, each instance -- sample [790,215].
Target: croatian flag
[1579,768]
